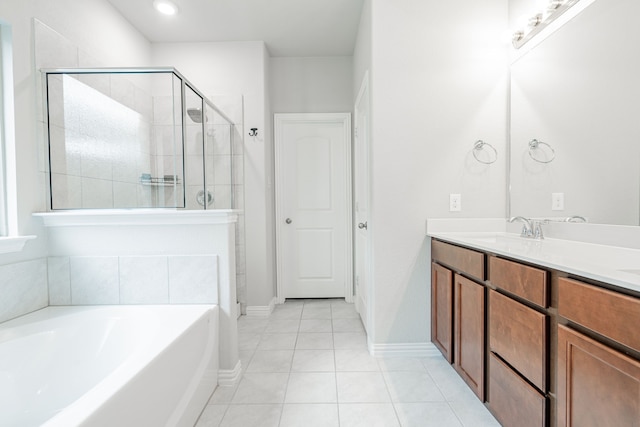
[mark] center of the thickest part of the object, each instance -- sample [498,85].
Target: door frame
[364,94]
[279,120]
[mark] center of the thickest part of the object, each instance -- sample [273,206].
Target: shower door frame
[184,82]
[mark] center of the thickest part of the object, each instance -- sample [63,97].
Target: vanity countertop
[618,266]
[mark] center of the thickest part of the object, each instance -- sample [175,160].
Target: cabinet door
[597,386]
[442,310]
[469,358]
[518,334]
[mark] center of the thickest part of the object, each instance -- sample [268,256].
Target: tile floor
[307,365]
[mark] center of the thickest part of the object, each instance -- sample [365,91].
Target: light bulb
[165,7]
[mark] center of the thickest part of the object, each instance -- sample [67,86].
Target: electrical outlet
[557,201]
[455,202]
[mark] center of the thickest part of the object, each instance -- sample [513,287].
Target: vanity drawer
[518,334]
[461,259]
[512,400]
[523,281]
[608,313]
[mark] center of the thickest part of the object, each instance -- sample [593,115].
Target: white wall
[233,68]
[311,84]
[438,84]
[94,26]
[362,50]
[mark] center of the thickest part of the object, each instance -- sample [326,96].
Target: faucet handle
[527,228]
[537,229]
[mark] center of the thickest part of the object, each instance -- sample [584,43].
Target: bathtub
[108,366]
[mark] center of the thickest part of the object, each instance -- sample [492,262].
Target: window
[10,241]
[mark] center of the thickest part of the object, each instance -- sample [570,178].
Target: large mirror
[575,119]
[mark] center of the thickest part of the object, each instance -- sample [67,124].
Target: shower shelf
[162,181]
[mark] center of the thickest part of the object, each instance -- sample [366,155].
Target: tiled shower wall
[173,279]
[233,107]
[54,50]
[95,164]
[84,174]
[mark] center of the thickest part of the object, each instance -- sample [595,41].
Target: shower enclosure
[135,138]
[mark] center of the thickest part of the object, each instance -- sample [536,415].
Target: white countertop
[615,265]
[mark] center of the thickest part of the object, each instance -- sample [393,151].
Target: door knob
[288,221]
[362,226]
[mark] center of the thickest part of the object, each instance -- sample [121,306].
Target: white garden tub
[108,366]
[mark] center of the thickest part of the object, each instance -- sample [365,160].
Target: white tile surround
[147,256]
[308,365]
[179,279]
[23,288]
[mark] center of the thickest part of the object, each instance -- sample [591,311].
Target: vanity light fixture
[540,20]
[165,7]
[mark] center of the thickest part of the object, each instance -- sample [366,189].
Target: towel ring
[478,146]
[534,144]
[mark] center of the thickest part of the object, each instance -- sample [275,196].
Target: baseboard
[261,310]
[229,377]
[403,350]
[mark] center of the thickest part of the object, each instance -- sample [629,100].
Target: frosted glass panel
[135,139]
[112,144]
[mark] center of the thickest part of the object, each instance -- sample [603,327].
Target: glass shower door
[218,157]
[195,127]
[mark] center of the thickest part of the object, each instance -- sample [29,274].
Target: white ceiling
[288,27]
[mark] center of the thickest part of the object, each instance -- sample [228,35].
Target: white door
[361,203]
[313,205]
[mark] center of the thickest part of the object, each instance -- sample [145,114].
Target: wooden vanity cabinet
[598,385]
[442,310]
[511,399]
[518,343]
[542,348]
[518,334]
[469,326]
[458,311]
[523,281]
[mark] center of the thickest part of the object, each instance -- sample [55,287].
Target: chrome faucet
[527,228]
[537,229]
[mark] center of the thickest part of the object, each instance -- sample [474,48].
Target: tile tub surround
[173,279]
[593,259]
[295,377]
[160,255]
[23,288]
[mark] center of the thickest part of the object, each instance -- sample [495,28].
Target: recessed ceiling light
[165,7]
